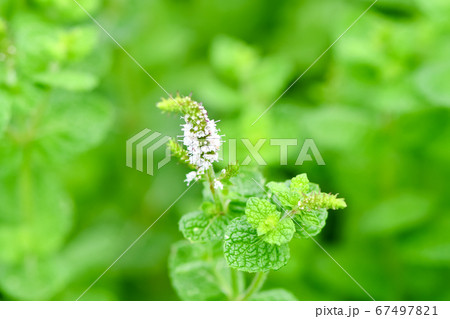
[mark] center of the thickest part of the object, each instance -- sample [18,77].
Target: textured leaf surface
[300,184]
[263,216]
[310,223]
[273,295]
[243,187]
[246,251]
[282,234]
[200,227]
[260,212]
[285,196]
[196,270]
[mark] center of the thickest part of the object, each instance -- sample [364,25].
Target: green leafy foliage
[201,227]
[282,233]
[285,196]
[196,269]
[246,251]
[73,126]
[273,295]
[50,113]
[310,223]
[300,184]
[396,215]
[307,206]
[376,106]
[264,217]
[5,112]
[68,80]
[243,187]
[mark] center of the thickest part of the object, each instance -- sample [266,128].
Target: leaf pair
[290,192]
[268,222]
[306,203]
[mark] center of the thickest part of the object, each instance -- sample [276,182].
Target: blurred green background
[376,105]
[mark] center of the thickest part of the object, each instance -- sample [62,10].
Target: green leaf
[35,214]
[201,227]
[246,251]
[433,82]
[281,191]
[70,80]
[310,223]
[38,280]
[300,184]
[264,217]
[243,186]
[277,187]
[396,214]
[282,233]
[74,123]
[5,112]
[273,295]
[262,214]
[63,11]
[234,59]
[198,271]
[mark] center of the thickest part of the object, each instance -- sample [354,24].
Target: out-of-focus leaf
[73,124]
[35,215]
[274,295]
[243,187]
[433,81]
[64,10]
[336,128]
[396,214]
[233,58]
[198,271]
[34,279]
[270,78]
[68,80]
[200,227]
[34,39]
[5,112]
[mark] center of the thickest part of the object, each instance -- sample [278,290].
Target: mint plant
[244,225]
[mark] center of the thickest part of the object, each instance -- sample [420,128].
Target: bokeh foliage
[376,105]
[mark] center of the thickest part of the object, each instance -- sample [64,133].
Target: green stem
[216,195]
[254,286]
[237,283]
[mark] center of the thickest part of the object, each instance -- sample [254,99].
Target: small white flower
[201,138]
[190,177]
[218,184]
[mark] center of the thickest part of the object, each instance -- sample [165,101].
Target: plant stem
[254,286]
[216,195]
[237,283]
